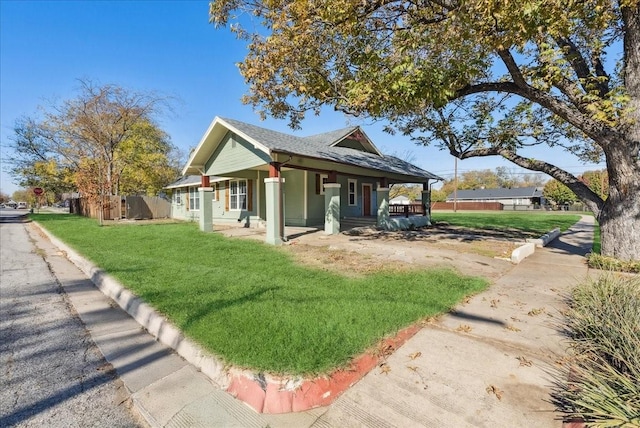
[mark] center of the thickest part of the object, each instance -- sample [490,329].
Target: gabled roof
[326,146]
[500,193]
[338,138]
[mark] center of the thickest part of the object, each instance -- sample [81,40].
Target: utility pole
[455,186]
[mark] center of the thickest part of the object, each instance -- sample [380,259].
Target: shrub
[598,261]
[601,383]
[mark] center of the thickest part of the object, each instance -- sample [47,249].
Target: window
[177,197]
[238,195]
[214,193]
[353,193]
[194,199]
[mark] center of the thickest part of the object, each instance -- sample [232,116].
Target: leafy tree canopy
[477,78]
[105,141]
[558,193]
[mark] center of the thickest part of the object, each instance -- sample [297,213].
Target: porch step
[351,222]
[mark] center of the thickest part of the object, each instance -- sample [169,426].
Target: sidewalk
[482,365]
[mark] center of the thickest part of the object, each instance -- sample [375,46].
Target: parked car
[22,206]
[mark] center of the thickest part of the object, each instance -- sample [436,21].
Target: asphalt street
[52,374]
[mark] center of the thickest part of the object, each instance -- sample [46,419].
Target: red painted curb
[283,395]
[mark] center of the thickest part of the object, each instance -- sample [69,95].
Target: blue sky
[163,46]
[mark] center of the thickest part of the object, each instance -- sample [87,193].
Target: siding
[234,154]
[294,198]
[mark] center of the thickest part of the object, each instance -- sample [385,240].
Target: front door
[366,200]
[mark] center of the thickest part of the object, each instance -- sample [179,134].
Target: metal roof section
[321,146]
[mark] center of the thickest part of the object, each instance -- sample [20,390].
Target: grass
[597,261]
[532,223]
[597,244]
[250,303]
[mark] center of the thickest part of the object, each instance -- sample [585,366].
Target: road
[51,372]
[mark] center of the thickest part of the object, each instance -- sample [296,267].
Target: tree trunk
[620,228]
[620,215]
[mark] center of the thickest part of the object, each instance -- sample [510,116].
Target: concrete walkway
[483,365]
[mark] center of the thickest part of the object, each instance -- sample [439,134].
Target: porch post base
[426,202]
[332,208]
[383,207]
[206,209]
[273,196]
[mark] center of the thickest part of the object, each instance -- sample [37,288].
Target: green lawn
[249,303]
[596,239]
[531,223]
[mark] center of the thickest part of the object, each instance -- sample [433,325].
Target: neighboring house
[281,179]
[508,196]
[400,200]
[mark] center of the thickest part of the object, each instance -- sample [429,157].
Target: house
[273,179]
[185,197]
[400,200]
[507,196]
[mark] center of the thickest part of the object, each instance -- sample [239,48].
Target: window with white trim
[177,197]
[214,192]
[238,195]
[353,191]
[194,199]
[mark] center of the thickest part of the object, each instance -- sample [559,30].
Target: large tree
[476,77]
[103,142]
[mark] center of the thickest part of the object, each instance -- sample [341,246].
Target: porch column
[273,196]
[426,198]
[206,208]
[383,206]
[332,208]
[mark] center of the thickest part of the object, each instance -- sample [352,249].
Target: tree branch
[597,131]
[512,67]
[580,66]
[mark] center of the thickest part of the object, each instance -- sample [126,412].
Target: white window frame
[194,199]
[323,180]
[214,194]
[177,197]
[237,206]
[351,181]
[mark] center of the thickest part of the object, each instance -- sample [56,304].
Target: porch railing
[406,210]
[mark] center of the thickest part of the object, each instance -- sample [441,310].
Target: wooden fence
[123,207]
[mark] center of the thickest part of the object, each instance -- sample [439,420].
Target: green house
[257,177]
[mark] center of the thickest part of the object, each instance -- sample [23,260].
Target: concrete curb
[158,326]
[262,392]
[545,239]
[524,251]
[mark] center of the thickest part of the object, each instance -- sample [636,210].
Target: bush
[601,383]
[597,261]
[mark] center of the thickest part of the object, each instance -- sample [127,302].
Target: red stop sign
[38,190]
